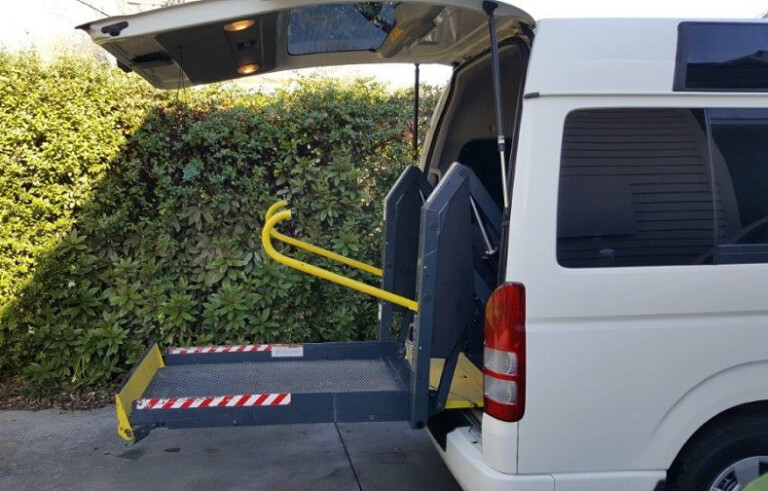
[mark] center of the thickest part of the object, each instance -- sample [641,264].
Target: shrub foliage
[130,215]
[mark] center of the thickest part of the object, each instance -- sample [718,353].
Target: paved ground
[57,450]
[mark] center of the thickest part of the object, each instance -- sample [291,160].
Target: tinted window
[339,27]
[740,158]
[634,188]
[722,56]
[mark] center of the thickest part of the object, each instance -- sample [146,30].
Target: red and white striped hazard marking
[244,400]
[245,348]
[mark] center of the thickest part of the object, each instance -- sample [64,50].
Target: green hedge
[131,215]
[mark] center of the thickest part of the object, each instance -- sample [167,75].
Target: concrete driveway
[58,450]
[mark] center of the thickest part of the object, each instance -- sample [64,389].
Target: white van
[576,272]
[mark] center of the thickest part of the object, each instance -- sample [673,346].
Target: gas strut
[490,8]
[416,113]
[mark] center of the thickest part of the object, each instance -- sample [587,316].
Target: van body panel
[624,364]
[609,481]
[603,56]
[500,444]
[463,456]
[606,56]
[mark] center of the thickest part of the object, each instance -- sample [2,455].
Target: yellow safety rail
[275,217]
[318,250]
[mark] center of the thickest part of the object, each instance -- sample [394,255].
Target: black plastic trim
[114,29]
[445,422]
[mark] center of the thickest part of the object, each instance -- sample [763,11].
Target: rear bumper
[464,458]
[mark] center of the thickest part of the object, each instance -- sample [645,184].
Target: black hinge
[122,66]
[114,29]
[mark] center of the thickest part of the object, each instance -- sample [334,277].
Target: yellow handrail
[318,250]
[267,233]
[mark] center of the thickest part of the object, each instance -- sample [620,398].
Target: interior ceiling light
[239,25]
[248,69]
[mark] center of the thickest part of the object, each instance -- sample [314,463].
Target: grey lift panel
[445,282]
[401,241]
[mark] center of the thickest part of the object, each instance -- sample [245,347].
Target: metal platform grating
[295,376]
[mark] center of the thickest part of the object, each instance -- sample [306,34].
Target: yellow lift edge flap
[134,386]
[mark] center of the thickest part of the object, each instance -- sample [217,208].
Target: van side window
[722,56]
[635,189]
[649,187]
[740,142]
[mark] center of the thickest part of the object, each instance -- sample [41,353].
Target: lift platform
[418,368]
[278,384]
[266,384]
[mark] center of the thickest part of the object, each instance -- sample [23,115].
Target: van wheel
[724,456]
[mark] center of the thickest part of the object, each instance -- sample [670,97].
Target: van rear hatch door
[215,40]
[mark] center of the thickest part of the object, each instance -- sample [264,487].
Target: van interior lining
[467,132]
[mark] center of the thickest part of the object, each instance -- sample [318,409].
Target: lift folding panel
[445,289]
[402,213]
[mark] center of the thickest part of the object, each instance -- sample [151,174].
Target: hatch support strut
[416,113]
[490,8]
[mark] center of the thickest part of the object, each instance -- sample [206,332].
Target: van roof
[608,56]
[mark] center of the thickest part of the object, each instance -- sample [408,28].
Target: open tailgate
[215,40]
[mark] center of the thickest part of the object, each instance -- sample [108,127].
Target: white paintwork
[605,56]
[623,364]
[463,456]
[500,444]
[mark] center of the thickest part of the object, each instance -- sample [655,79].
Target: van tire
[717,446]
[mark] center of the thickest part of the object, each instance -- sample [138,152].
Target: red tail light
[504,356]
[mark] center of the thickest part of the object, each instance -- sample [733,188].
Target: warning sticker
[287,351]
